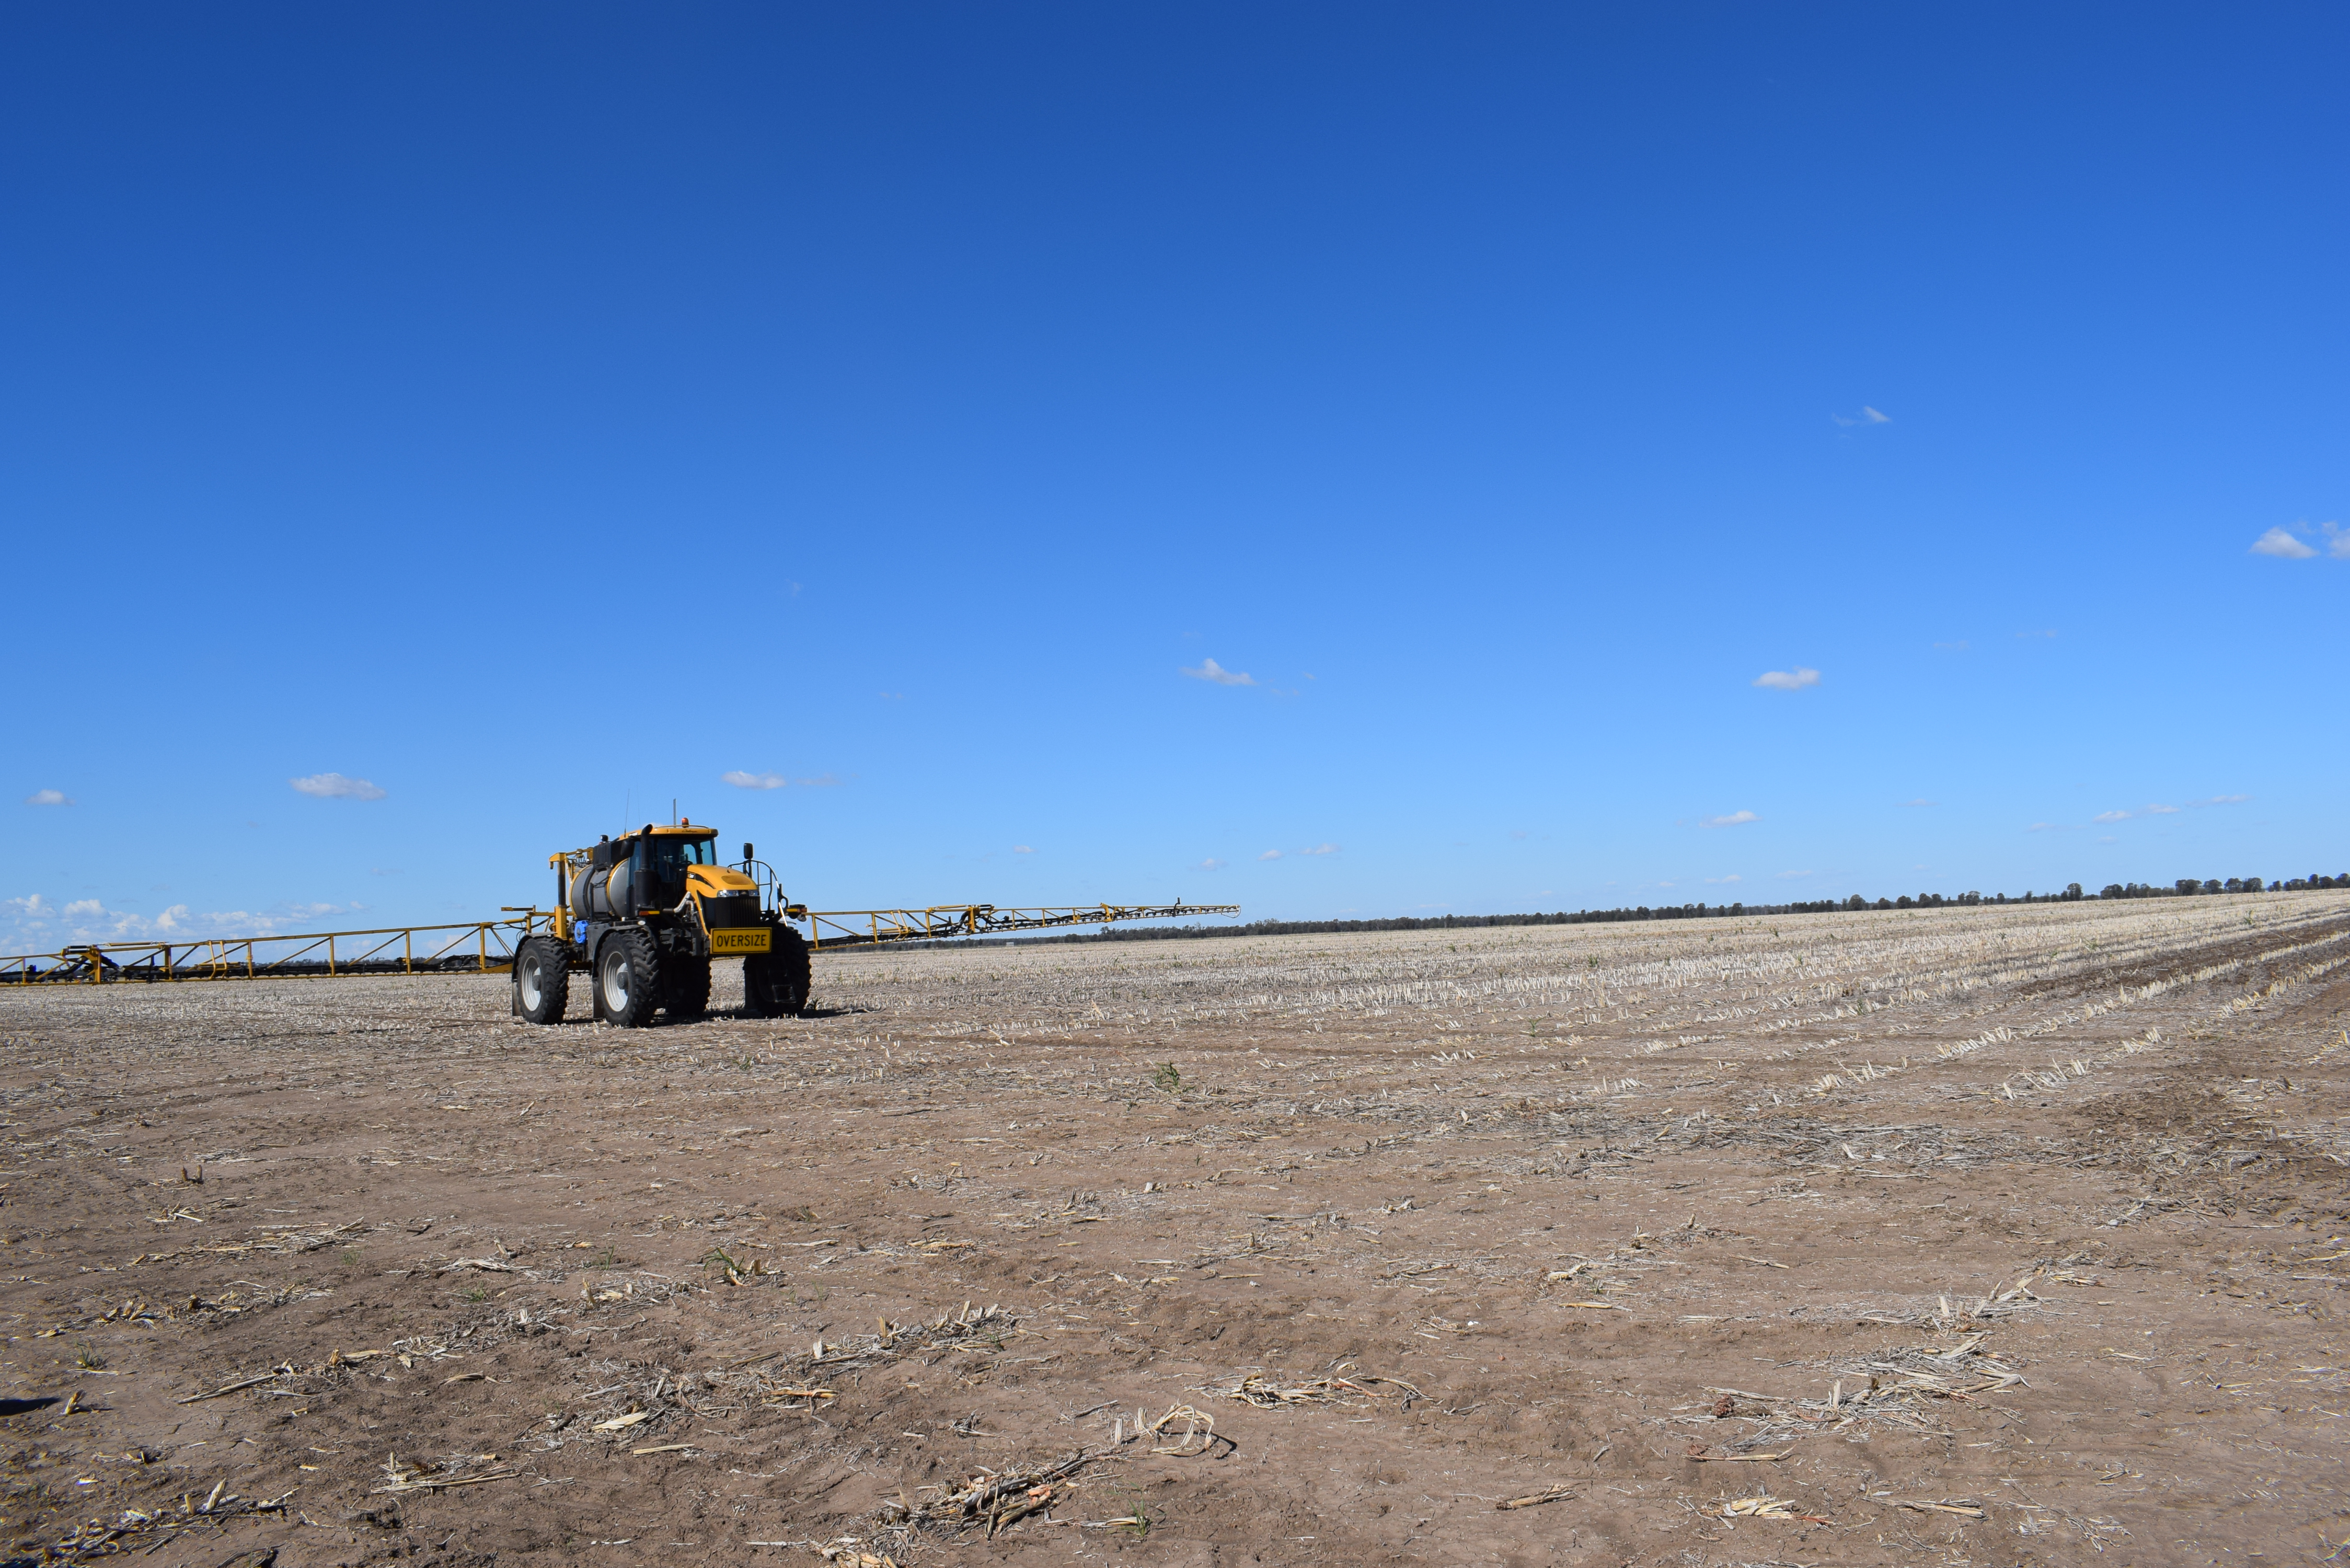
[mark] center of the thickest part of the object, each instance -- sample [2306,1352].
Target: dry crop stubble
[1991,1233]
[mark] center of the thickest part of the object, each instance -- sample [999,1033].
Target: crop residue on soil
[2002,1234]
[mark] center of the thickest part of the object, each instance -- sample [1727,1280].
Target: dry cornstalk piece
[994,1501]
[229,1389]
[1554,1494]
[1197,1424]
[1266,1395]
[1733,1459]
[1963,1510]
[810,1394]
[1597,1306]
[406,1475]
[983,1329]
[1765,1506]
[621,1423]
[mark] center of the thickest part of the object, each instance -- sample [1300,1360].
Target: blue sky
[539,413]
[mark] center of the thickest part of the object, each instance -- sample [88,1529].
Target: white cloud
[35,922]
[2041,827]
[1732,820]
[1321,849]
[1733,877]
[742,779]
[2162,811]
[47,797]
[2111,817]
[2337,542]
[1270,855]
[1023,849]
[1211,671]
[335,786]
[1212,864]
[2281,544]
[2223,800]
[1795,875]
[1867,416]
[1787,679]
[1920,802]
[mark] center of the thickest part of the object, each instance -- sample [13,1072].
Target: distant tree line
[2185,887]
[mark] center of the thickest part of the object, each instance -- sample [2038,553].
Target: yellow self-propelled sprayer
[641,915]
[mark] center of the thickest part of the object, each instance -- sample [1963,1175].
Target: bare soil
[1994,1235]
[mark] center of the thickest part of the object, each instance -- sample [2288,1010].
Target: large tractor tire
[688,980]
[541,980]
[776,985]
[627,980]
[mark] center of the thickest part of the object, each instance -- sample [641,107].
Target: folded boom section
[487,946]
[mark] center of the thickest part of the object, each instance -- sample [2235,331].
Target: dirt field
[1992,1236]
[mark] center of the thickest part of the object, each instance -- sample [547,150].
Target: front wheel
[542,978]
[775,984]
[627,980]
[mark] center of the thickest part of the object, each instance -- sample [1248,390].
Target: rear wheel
[776,985]
[627,980]
[688,980]
[542,978]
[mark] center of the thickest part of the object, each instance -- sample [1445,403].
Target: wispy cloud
[1867,416]
[2111,817]
[742,779]
[1787,679]
[1958,646]
[34,921]
[1732,820]
[2043,827]
[335,786]
[1023,849]
[2279,543]
[1795,875]
[2162,811]
[1211,671]
[1717,881]
[47,797]
[1212,864]
[2222,800]
[1321,849]
[2031,636]
[2337,542]
[1920,803]
[1270,855]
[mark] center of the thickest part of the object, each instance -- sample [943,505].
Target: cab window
[671,857]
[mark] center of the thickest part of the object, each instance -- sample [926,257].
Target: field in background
[2002,1234]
